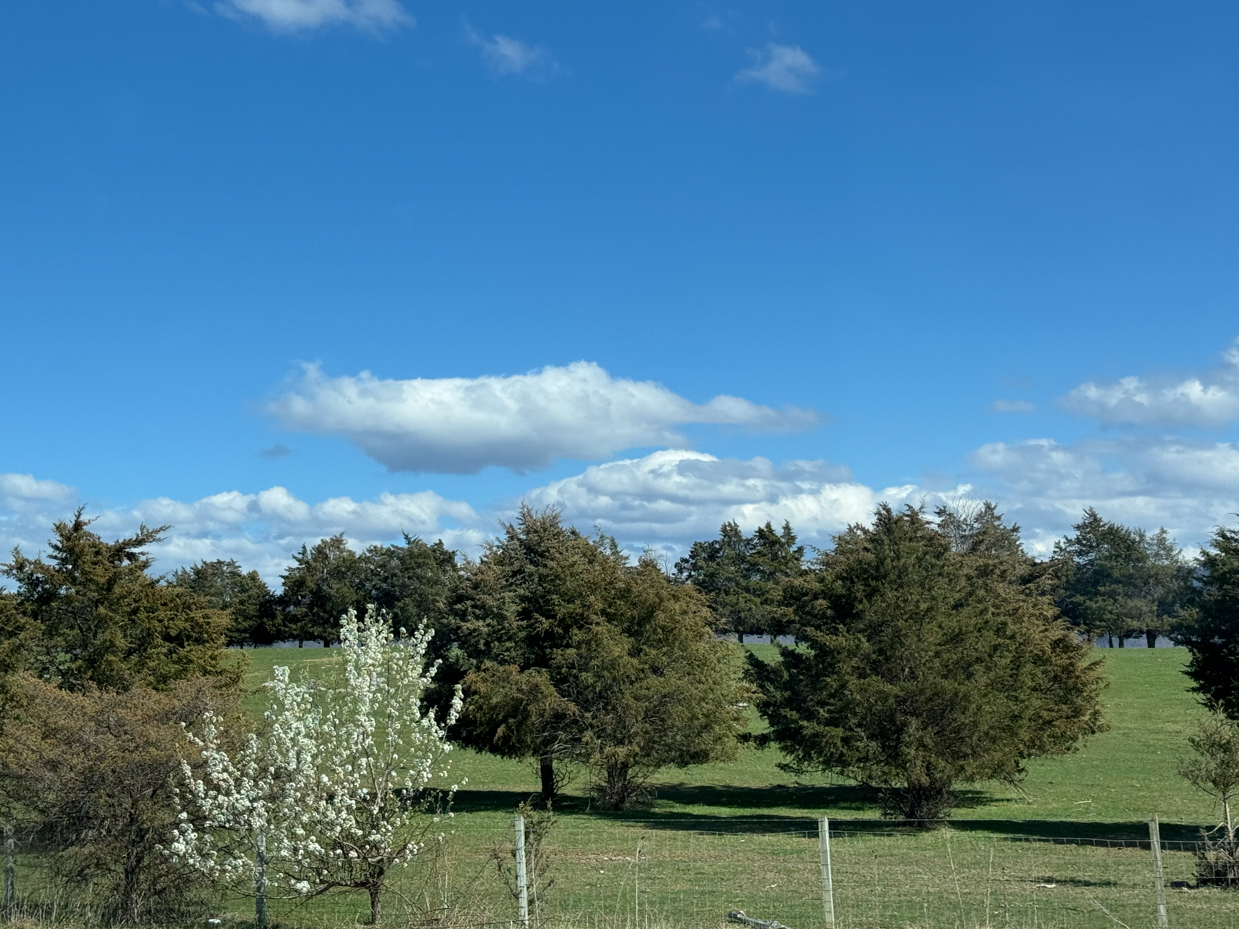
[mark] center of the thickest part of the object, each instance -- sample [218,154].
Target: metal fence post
[522,886]
[1159,885]
[828,887]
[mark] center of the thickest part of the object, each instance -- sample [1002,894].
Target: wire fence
[596,872]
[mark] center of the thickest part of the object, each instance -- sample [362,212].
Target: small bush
[91,776]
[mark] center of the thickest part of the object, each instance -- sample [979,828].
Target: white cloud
[16,489]
[307,15]
[786,68]
[506,55]
[1188,488]
[261,530]
[1013,406]
[1210,399]
[671,498]
[461,425]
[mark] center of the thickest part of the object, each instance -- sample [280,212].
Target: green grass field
[1106,789]
[1065,851]
[1062,852]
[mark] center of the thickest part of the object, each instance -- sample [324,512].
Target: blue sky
[275,269]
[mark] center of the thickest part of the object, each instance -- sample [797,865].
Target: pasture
[1070,847]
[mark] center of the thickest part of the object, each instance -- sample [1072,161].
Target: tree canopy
[918,666]
[92,615]
[1118,581]
[242,595]
[743,577]
[1213,638]
[571,653]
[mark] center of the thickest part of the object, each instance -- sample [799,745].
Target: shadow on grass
[726,809]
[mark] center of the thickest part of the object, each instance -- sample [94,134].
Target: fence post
[828,887]
[9,900]
[1155,841]
[522,886]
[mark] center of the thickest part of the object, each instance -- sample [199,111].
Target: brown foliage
[92,774]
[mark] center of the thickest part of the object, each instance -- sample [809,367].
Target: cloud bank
[299,16]
[678,496]
[1188,487]
[1210,399]
[525,421]
[260,530]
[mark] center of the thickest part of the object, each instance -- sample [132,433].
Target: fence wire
[690,872]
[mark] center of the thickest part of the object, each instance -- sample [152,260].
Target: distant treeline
[1109,580]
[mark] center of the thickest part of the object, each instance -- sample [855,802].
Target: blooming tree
[332,793]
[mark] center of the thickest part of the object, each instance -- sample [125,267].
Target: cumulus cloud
[1210,399]
[462,425]
[1013,406]
[786,68]
[1187,487]
[293,16]
[260,530]
[19,489]
[670,498]
[506,55]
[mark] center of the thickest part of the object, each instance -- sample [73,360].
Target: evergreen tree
[413,582]
[244,596]
[743,577]
[324,582]
[1213,639]
[1118,581]
[93,615]
[569,653]
[917,667]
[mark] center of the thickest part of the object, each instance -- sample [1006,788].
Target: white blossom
[333,787]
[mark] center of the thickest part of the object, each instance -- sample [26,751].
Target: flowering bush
[332,793]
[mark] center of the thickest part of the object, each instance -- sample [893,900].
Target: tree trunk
[921,804]
[376,903]
[1150,638]
[10,891]
[617,791]
[260,881]
[740,638]
[546,768]
[1122,640]
[1110,639]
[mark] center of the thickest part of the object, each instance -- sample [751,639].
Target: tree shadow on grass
[728,809]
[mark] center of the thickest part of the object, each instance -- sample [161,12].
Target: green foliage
[1214,769]
[743,577]
[324,582]
[243,596]
[918,667]
[1117,581]
[93,615]
[413,582]
[570,653]
[1213,639]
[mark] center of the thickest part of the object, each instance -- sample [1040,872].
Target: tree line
[920,652]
